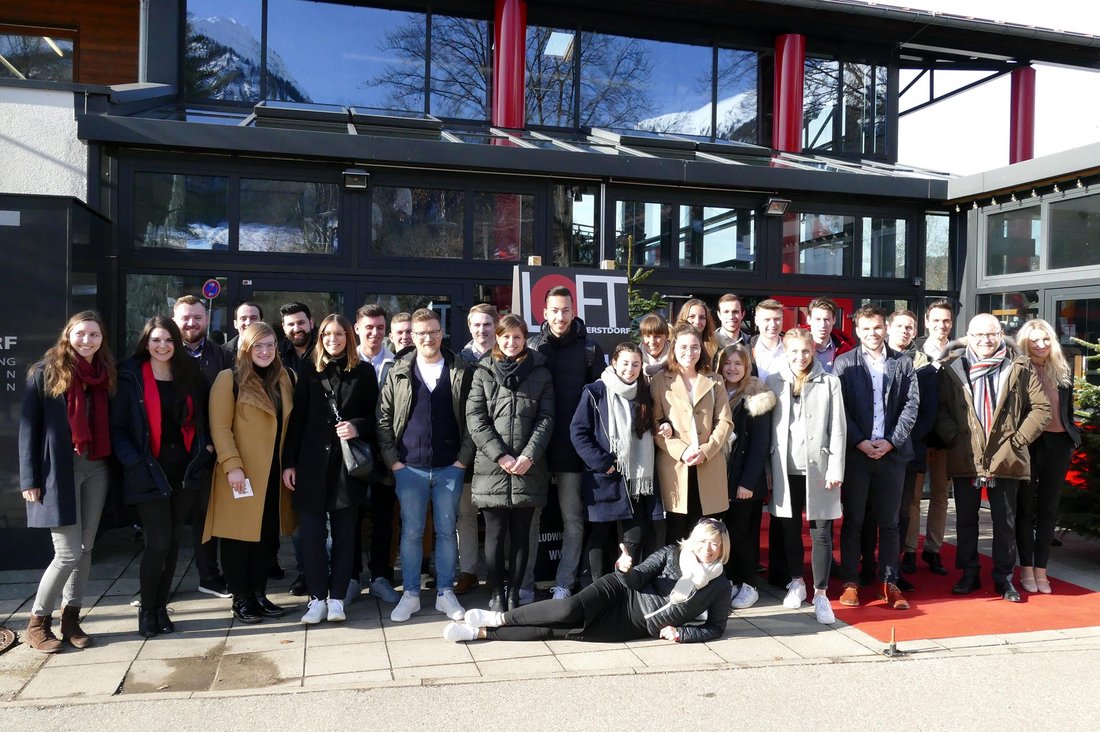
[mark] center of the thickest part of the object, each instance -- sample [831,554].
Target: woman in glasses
[660,598]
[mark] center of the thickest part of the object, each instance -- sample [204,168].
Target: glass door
[1075,313]
[445,298]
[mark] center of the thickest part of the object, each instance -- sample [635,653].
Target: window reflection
[461,67]
[1013,241]
[643,232]
[936,251]
[410,303]
[289,217]
[1075,232]
[883,247]
[844,107]
[736,108]
[320,304]
[720,238]
[551,55]
[1013,309]
[830,244]
[504,226]
[222,50]
[147,295]
[41,56]
[416,222]
[573,232]
[181,211]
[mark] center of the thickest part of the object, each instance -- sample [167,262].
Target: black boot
[934,562]
[267,608]
[909,562]
[513,598]
[497,603]
[164,623]
[246,610]
[147,623]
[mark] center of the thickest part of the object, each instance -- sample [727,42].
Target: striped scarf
[983,382]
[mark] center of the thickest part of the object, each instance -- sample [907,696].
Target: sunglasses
[715,524]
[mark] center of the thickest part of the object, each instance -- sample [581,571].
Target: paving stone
[449,671]
[354,678]
[183,645]
[751,649]
[415,627]
[325,660]
[677,654]
[825,643]
[562,647]
[534,665]
[493,650]
[171,675]
[349,631]
[262,637]
[427,652]
[70,681]
[104,649]
[613,659]
[260,670]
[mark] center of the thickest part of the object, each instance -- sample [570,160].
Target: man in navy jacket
[881,400]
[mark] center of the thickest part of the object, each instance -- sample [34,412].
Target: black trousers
[327,577]
[246,563]
[614,616]
[1002,506]
[206,555]
[907,490]
[821,536]
[603,549]
[881,482]
[744,540]
[509,527]
[679,525]
[1037,500]
[383,498]
[162,521]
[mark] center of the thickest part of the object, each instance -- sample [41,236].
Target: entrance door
[444,298]
[1075,313]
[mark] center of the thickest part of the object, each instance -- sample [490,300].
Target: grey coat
[505,422]
[826,436]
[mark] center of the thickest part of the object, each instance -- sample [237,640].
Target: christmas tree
[1080,507]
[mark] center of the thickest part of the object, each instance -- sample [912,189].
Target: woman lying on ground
[660,598]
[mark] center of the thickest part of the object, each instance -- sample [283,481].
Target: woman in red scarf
[64,438]
[158,429]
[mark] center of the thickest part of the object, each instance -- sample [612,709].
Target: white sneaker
[823,610]
[746,598]
[460,632]
[315,612]
[354,588]
[448,604]
[409,604]
[381,588]
[484,618]
[796,594]
[560,593]
[526,595]
[336,611]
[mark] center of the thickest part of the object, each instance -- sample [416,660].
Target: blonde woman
[1037,499]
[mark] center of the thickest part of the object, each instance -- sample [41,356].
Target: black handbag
[358,456]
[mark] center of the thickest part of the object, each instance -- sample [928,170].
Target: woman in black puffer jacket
[658,599]
[511,420]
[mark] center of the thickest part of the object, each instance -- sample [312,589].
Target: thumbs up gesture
[624,562]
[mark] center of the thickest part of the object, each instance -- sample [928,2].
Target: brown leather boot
[40,636]
[71,630]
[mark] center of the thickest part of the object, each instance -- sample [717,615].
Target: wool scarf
[694,575]
[983,373]
[511,372]
[633,455]
[652,365]
[153,409]
[86,408]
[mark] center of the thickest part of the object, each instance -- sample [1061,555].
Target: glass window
[320,304]
[504,226]
[573,232]
[737,74]
[222,50]
[883,246]
[28,55]
[937,229]
[844,107]
[643,232]
[461,67]
[888,304]
[416,222]
[181,211]
[819,101]
[551,54]
[1013,241]
[719,238]
[410,303]
[1075,232]
[499,296]
[148,295]
[1013,309]
[1079,318]
[819,244]
[289,217]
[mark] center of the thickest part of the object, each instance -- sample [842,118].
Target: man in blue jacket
[879,448]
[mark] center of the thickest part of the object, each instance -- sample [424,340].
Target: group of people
[662,459]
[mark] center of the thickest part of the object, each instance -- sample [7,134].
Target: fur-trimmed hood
[759,399]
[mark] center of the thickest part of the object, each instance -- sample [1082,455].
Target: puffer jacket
[1019,417]
[750,440]
[654,580]
[506,422]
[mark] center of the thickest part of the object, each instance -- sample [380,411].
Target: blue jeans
[415,487]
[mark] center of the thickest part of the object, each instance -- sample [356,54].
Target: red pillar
[790,72]
[1021,134]
[509,58]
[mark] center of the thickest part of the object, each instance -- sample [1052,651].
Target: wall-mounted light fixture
[776,206]
[356,179]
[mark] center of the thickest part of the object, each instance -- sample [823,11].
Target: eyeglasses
[984,336]
[715,524]
[426,334]
[263,347]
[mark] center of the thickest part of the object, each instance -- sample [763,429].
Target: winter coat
[826,442]
[928,384]
[243,432]
[605,495]
[711,408]
[506,422]
[900,393]
[654,580]
[143,479]
[290,357]
[46,455]
[1019,417]
[311,447]
[396,400]
[750,440]
[574,361]
[1065,405]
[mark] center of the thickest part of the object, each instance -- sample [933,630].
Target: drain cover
[7,639]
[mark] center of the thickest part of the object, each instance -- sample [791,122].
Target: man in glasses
[991,407]
[423,439]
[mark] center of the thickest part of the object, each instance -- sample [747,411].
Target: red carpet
[937,613]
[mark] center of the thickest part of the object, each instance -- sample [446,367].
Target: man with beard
[298,329]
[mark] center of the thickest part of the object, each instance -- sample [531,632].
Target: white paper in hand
[244,492]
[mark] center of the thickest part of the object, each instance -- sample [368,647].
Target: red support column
[1021,134]
[790,72]
[509,59]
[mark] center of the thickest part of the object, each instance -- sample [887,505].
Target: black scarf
[511,372]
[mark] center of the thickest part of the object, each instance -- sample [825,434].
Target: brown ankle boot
[40,636]
[71,630]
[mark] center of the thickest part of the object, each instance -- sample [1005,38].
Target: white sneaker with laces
[823,610]
[484,618]
[746,598]
[460,632]
[316,611]
[448,604]
[336,611]
[354,588]
[406,606]
[560,593]
[526,595]
[796,594]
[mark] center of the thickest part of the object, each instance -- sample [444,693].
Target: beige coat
[243,432]
[672,402]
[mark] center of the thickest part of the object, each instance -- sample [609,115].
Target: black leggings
[511,527]
[1037,499]
[744,540]
[821,533]
[246,563]
[162,523]
[545,620]
[322,580]
[601,537]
